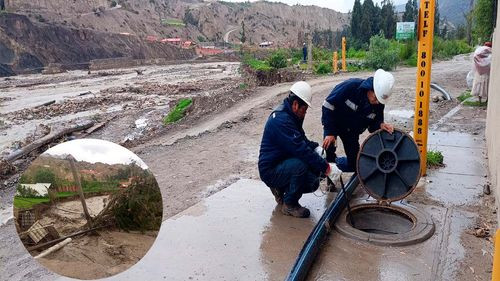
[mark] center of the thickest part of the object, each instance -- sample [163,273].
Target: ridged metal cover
[389,165]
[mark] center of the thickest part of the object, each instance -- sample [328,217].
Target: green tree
[243,37]
[44,175]
[380,54]
[377,21]
[411,11]
[388,21]
[483,20]
[189,18]
[356,18]
[278,60]
[436,20]
[25,179]
[367,20]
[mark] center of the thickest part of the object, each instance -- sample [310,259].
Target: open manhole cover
[388,169]
[395,225]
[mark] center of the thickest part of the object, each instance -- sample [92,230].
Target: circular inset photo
[88,209]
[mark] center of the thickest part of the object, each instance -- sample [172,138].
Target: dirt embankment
[25,45]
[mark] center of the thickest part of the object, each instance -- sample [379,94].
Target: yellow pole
[425,41]
[495,276]
[344,68]
[335,62]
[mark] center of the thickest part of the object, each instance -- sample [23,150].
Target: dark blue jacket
[284,138]
[352,112]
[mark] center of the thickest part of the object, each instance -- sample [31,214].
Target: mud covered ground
[99,254]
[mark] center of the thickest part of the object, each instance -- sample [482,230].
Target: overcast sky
[338,5]
[92,151]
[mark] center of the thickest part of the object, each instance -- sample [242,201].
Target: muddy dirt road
[143,93]
[216,146]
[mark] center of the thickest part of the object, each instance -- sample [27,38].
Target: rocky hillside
[264,21]
[209,20]
[27,45]
[450,10]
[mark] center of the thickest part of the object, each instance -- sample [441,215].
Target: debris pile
[137,207]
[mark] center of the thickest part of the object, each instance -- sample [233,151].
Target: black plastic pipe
[318,235]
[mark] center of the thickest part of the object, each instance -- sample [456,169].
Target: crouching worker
[290,164]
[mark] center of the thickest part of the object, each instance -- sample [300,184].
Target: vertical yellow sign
[344,68]
[335,62]
[425,42]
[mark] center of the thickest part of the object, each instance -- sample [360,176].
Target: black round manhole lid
[389,165]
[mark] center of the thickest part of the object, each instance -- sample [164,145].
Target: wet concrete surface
[460,182]
[236,234]
[448,195]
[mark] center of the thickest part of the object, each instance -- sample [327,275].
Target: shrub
[323,68]
[296,56]
[113,3]
[434,158]
[411,61]
[178,112]
[277,60]
[446,49]
[464,96]
[255,64]
[407,50]
[381,55]
[353,54]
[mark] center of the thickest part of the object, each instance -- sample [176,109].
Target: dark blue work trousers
[350,141]
[293,178]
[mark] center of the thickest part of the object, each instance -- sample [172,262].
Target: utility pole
[335,62]
[344,66]
[425,41]
[80,190]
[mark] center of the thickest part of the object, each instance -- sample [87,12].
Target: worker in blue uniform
[352,107]
[289,163]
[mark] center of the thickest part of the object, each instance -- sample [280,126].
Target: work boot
[330,186]
[278,195]
[295,211]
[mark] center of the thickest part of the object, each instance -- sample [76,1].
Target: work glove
[321,152]
[333,172]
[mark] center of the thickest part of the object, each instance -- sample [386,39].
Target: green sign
[405,30]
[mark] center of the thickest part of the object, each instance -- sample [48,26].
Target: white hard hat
[302,90]
[383,82]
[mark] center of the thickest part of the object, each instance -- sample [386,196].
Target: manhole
[378,220]
[388,169]
[395,225]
